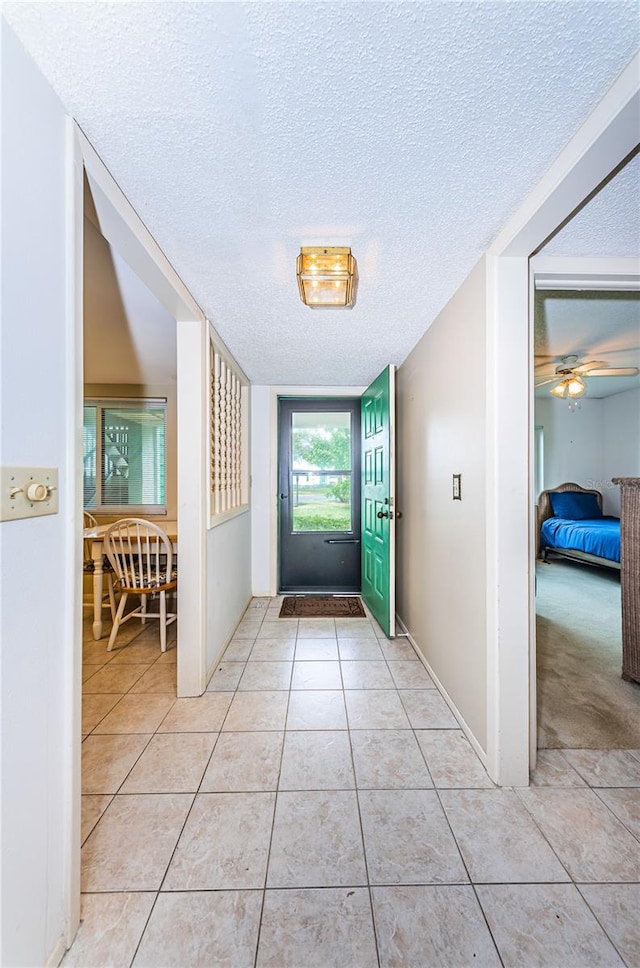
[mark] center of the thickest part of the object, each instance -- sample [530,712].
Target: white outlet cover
[14,483]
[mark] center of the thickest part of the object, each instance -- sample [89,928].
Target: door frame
[334,406]
[275,393]
[561,273]
[604,142]
[123,228]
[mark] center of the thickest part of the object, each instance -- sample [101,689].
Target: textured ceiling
[410,131]
[609,225]
[595,325]
[129,337]
[592,326]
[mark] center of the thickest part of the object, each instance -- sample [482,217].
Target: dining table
[96,536]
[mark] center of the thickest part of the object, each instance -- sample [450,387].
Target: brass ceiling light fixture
[327,277]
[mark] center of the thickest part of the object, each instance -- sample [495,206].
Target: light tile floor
[319,806]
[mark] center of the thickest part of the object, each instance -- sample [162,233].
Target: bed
[571,524]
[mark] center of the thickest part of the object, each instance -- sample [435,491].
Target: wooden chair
[88,568]
[142,557]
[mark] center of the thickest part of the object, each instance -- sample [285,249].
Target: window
[321,471]
[538,462]
[229,452]
[124,455]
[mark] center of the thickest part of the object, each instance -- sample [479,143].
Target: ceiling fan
[568,377]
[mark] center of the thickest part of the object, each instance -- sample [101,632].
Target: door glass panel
[321,471]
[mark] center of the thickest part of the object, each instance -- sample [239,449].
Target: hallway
[320,806]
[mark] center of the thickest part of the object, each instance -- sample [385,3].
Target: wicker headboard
[544,502]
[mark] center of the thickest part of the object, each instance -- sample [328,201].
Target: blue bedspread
[600,536]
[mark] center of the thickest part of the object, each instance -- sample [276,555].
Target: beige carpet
[582,700]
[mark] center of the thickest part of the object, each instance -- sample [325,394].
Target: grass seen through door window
[322,507]
[321,471]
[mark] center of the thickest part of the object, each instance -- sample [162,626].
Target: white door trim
[561,272]
[193,495]
[123,228]
[73,500]
[605,140]
[393,496]
[576,274]
[276,392]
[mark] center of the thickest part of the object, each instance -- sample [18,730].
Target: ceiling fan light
[575,387]
[571,386]
[559,390]
[327,277]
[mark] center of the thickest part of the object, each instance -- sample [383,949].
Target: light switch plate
[28,492]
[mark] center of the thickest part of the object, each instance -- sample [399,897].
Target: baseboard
[464,726]
[57,954]
[221,651]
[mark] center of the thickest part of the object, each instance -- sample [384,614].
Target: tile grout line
[516,790]
[472,883]
[273,817]
[601,926]
[144,748]
[455,840]
[180,833]
[364,848]
[448,822]
[573,882]
[144,928]
[111,796]
[275,802]
[273,824]
[120,694]
[597,790]
[157,892]
[385,884]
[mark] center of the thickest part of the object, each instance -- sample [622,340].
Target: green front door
[378,499]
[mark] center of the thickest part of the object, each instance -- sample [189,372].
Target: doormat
[322,606]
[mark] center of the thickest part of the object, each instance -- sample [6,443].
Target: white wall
[599,441]
[37,632]
[441,586]
[572,441]
[263,581]
[228,582]
[40,558]
[621,445]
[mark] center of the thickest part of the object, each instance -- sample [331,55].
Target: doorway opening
[117,225]
[319,495]
[582,701]
[129,458]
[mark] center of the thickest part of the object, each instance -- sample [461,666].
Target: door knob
[283,496]
[383,514]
